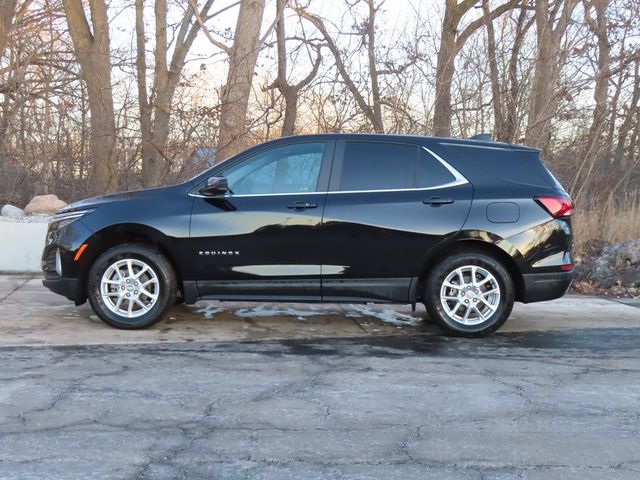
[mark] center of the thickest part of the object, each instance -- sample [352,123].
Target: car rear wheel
[469,294]
[131,286]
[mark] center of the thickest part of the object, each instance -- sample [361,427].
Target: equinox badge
[218,252]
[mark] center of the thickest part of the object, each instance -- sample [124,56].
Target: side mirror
[215,186]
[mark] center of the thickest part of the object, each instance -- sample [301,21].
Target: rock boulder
[44,204]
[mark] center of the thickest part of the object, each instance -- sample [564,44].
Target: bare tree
[91,44]
[243,55]
[372,110]
[290,92]
[600,93]
[630,122]
[7,11]
[155,110]
[552,21]
[451,42]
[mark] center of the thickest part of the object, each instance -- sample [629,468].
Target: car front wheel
[131,286]
[469,294]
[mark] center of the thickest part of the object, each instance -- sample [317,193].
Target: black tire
[166,285]
[437,312]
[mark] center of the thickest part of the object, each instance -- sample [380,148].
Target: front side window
[286,169]
[378,166]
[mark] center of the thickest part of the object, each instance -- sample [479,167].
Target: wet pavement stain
[31,315]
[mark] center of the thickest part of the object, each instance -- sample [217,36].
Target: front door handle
[301,205]
[437,201]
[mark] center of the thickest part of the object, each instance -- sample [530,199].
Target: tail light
[557,206]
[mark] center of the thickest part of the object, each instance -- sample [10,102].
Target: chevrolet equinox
[466,227]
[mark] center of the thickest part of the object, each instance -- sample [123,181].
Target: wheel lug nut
[136,292]
[128,294]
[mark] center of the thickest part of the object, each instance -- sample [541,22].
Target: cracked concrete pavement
[304,392]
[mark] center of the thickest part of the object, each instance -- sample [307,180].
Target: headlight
[61,220]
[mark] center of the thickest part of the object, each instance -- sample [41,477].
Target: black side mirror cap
[215,187]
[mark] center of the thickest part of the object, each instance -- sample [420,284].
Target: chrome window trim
[459,179]
[191,194]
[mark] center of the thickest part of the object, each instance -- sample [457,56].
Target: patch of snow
[27,219]
[260,311]
[209,311]
[387,315]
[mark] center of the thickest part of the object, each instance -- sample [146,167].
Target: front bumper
[545,286]
[67,287]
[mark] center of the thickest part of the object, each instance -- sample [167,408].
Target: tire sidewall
[162,270]
[442,270]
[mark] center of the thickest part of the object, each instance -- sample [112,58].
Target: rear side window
[377,166]
[431,173]
[516,166]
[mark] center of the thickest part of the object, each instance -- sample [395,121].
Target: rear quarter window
[516,166]
[431,173]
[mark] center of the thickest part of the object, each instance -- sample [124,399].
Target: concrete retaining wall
[21,244]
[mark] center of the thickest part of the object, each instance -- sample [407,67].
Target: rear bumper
[545,286]
[67,287]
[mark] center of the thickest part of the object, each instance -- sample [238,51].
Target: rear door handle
[437,201]
[301,205]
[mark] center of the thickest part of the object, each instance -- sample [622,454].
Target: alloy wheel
[129,288]
[470,295]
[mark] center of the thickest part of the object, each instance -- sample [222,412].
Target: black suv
[464,226]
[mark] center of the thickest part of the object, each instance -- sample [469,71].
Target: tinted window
[431,173]
[286,169]
[377,166]
[516,166]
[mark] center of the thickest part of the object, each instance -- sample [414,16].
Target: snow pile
[388,315]
[209,310]
[616,268]
[261,311]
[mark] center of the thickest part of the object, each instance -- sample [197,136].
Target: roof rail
[483,137]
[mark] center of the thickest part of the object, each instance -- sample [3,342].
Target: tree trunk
[242,64]
[630,118]
[600,94]
[445,69]
[7,11]
[510,126]
[289,92]
[373,69]
[451,42]
[143,100]
[155,112]
[498,119]
[91,45]
[542,105]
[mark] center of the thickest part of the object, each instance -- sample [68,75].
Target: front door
[388,204]
[260,241]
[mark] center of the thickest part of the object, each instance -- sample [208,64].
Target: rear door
[388,204]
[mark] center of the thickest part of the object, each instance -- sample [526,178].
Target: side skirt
[381,290]
[354,290]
